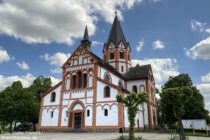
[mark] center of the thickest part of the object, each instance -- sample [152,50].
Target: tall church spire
[85,41]
[116,34]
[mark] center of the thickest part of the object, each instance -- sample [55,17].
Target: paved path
[85,136]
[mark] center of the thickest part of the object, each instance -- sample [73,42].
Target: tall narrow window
[52,99]
[112,55]
[51,114]
[88,113]
[121,55]
[67,113]
[134,89]
[74,81]
[105,112]
[106,92]
[122,69]
[85,80]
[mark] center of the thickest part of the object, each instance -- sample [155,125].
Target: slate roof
[138,72]
[116,34]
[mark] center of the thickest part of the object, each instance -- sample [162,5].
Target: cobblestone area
[85,136]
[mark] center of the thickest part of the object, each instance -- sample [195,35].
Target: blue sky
[36,37]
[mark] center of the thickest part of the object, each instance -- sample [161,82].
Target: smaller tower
[85,41]
[117,50]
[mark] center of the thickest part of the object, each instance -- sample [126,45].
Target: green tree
[176,99]
[194,108]
[132,102]
[40,85]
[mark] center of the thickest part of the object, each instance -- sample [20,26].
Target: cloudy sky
[37,36]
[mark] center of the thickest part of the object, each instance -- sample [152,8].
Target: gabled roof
[116,34]
[138,72]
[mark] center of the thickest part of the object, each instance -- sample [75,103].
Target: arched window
[121,55]
[134,89]
[79,79]
[67,113]
[105,112]
[107,77]
[51,114]
[142,88]
[84,80]
[88,113]
[73,81]
[52,99]
[106,92]
[122,69]
[112,55]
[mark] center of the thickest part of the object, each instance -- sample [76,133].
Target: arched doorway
[76,117]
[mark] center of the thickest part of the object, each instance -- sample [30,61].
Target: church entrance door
[77,120]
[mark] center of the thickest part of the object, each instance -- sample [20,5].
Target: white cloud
[197,26]
[200,50]
[96,43]
[158,44]
[26,80]
[206,78]
[7,81]
[162,68]
[57,60]
[208,30]
[140,45]
[4,56]
[38,21]
[22,65]
[205,91]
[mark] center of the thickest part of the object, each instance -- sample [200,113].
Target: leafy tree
[194,108]
[132,102]
[176,99]
[40,85]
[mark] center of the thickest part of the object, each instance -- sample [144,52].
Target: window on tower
[121,55]
[122,69]
[88,113]
[112,55]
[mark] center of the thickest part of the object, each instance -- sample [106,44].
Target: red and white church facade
[85,98]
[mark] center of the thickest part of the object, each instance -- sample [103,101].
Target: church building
[85,98]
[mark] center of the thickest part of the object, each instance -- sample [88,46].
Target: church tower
[117,50]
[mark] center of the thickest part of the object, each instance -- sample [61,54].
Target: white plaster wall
[64,119]
[90,93]
[101,71]
[139,116]
[66,95]
[46,99]
[46,117]
[78,94]
[90,81]
[100,92]
[130,84]
[89,100]
[110,120]
[88,119]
